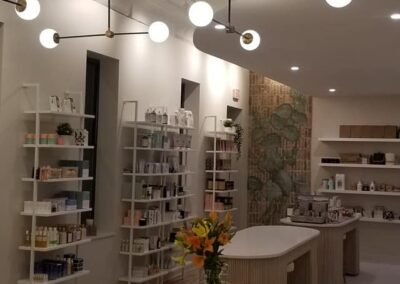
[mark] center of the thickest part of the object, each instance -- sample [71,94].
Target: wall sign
[236,95]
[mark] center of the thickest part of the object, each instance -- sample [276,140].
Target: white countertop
[267,241]
[347,221]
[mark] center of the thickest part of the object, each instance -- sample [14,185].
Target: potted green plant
[228,125]
[64,131]
[238,138]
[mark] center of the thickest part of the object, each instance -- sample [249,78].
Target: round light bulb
[31,11]
[47,38]
[338,3]
[395,16]
[201,14]
[158,32]
[250,40]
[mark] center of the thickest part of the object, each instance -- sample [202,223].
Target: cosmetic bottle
[27,240]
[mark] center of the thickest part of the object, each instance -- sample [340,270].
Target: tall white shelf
[216,134]
[36,147]
[137,231]
[369,194]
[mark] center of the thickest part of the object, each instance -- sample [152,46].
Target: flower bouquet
[204,241]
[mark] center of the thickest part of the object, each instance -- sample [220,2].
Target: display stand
[37,147]
[138,231]
[216,153]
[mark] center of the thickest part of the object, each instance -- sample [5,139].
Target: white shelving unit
[354,192]
[161,227]
[361,166]
[371,167]
[38,117]
[215,153]
[367,140]
[59,280]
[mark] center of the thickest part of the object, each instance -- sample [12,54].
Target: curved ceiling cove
[354,50]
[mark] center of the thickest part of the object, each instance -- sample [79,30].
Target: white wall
[379,242]
[150,73]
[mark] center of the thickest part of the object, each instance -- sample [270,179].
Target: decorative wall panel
[279,149]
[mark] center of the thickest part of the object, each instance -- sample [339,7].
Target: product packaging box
[390,131]
[355,131]
[345,131]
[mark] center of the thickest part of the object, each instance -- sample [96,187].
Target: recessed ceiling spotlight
[332,90]
[219,27]
[338,3]
[395,16]
[295,68]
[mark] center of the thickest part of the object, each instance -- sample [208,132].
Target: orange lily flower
[224,239]
[194,242]
[198,260]
[213,216]
[208,245]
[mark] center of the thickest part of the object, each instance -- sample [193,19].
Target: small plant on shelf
[238,140]
[204,240]
[228,123]
[64,129]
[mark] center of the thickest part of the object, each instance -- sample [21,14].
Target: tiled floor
[375,273]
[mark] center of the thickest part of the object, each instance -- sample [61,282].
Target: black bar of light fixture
[158,32]
[109,33]
[230,29]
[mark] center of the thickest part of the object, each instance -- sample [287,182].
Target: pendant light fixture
[26,9]
[338,3]
[201,14]
[158,32]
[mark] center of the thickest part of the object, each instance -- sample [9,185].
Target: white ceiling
[355,49]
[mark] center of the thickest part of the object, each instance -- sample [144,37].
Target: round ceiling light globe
[31,11]
[47,38]
[201,14]
[253,44]
[158,32]
[338,3]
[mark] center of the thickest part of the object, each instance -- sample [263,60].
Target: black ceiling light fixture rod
[13,2]
[229,28]
[56,38]
[229,12]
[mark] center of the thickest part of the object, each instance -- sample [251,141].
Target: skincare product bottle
[372,186]
[359,185]
[27,240]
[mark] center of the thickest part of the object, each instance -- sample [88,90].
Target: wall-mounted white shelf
[222,152]
[161,224]
[164,248]
[58,179]
[55,113]
[158,174]
[221,211]
[363,166]
[381,221]
[144,279]
[60,213]
[355,192]
[158,149]
[48,146]
[53,248]
[221,191]
[368,140]
[219,133]
[76,275]
[222,171]
[158,199]
[139,124]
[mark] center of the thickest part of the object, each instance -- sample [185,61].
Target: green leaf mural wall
[279,152]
